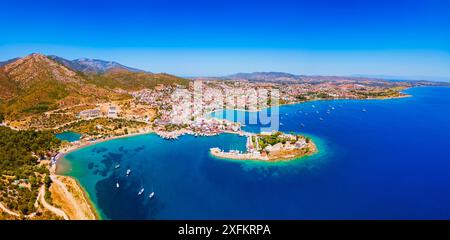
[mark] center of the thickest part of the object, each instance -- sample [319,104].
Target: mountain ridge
[35,84]
[261,74]
[89,65]
[38,83]
[3,63]
[294,78]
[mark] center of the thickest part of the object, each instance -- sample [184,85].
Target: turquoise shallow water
[389,162]
[69,136]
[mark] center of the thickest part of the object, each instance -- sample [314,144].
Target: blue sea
[391,161]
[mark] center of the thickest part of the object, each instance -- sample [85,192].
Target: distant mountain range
[264,76]
[405,78]
[8,61]
[87,65]
[282,77]
[38,83]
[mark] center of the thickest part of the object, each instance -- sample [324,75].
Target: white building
[112,112]
[92,113]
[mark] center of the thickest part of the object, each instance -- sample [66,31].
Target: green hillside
[126,80]
[36,84]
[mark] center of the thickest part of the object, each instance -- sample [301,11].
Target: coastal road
[49,207]
[46,205]
[6,210]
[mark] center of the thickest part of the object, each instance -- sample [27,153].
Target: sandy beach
[69,196]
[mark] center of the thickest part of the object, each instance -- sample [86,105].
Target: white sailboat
[141,191]
[117,184]
[128,172]
[152,194]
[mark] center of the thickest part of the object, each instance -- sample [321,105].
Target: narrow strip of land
[72,199]
[49,207]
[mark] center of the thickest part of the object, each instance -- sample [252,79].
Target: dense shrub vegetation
[20,174]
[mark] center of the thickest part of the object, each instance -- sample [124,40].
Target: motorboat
[141,191]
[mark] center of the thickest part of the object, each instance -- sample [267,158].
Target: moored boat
[141,191]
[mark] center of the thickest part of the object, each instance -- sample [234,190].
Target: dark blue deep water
[389,162]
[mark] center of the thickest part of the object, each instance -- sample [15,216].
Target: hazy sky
[407,38]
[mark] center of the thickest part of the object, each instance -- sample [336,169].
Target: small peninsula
[272,146]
